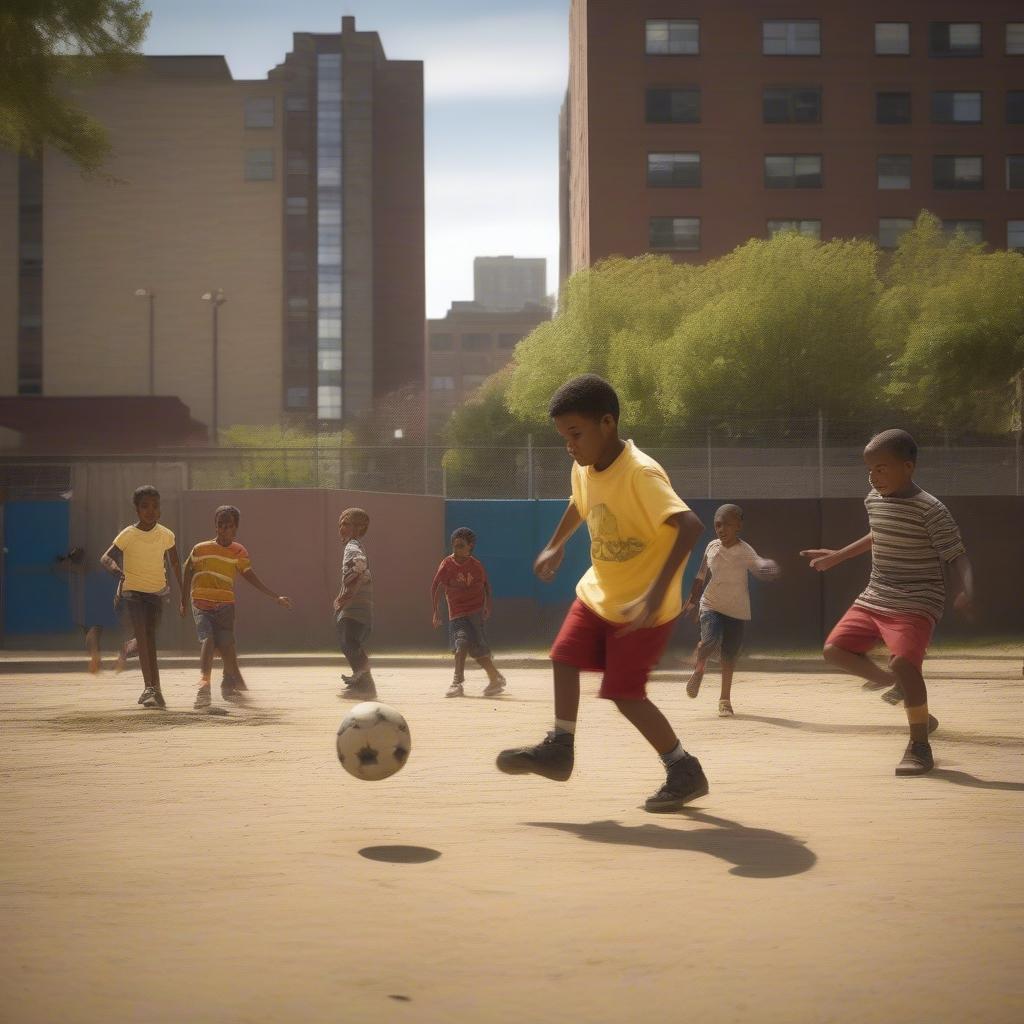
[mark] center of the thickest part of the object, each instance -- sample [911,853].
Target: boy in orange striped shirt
[210,582]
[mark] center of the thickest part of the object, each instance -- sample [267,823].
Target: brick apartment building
[690,126]
[294,204]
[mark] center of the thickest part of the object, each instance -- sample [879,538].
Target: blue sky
[495,73]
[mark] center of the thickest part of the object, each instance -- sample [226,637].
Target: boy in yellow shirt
[641,533]
[138,557]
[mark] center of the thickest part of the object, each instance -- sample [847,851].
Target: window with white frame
[791,38]
[672,37]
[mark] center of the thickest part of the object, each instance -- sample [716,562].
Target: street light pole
[216,300]
[148,293]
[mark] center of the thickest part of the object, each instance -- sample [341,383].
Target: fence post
[709,462]
[529,466]
[444,481]
[821,454]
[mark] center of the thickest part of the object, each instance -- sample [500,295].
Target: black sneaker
[152,698]
[684,781]
[553,758]
[933,724]
[917,759]
[362,687]
[893,696]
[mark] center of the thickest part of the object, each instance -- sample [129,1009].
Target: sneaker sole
[911,770]
[510,767]
[678,803]
[459,694]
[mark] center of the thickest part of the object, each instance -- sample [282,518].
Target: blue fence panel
[37,596]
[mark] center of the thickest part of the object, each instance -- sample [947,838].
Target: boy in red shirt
[463,581]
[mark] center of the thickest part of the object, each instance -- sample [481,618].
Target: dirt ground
[180,867]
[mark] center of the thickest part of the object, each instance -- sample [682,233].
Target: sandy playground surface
[181,867]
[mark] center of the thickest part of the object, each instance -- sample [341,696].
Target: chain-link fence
[757,459]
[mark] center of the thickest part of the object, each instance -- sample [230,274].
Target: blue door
[36,591]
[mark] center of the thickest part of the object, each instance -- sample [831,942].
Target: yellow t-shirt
[625,507]
[144,557]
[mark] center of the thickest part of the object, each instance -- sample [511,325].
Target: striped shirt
[911,541]
[213,572]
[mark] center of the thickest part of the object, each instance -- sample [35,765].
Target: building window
[297,104]
[808,228]
[471,381]
[1015,39]
[682,233]
[442,383]
[1015,235]
[796,105]
[259,165]
[892,38]
[297,398]
[954,38]
[328,401]
[959,172]
[956,107]
[675,37]
[673,106]
[296,206]
[1015,106]
[973,231]
[259,112]
[892,229]
[442,343]
[476,342]
[298,306]
[1015,172]
[679,170]
[792,171]
[892,107]
[791,38]
[507,341]
[894,171]
[298,163]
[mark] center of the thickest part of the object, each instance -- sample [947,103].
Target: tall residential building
[506,284]
[691,126]
[293,204]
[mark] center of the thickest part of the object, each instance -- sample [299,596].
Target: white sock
[565,725]
[675,754]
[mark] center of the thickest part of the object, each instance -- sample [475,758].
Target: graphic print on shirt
[606,543]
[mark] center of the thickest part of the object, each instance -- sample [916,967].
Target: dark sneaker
[203,699]
[455,690]
[361,688]
[893,696]
[152,698]
[917,759]
[693,685]
[933,724]
[233,694]
[684,781]
[496,687]
[553,758]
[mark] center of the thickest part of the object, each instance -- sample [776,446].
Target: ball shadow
[400,854]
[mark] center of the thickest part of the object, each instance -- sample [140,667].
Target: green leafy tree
[46,48]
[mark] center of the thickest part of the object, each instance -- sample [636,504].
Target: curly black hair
[896,441]
[464,533]
[588,395]
[145,491]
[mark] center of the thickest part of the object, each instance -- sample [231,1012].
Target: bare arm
[172,557]
[350,584]
[251,577]
[186,586]
[436,591]
[697,588]
[112,559]
[825,558]
[548,561]
[688,528]
[964,599]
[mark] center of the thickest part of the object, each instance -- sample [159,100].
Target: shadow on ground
[964,779]
[400,855]
[899,725]
[755,852]
[150,720]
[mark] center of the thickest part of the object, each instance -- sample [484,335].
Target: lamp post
[216,300]
[148,293]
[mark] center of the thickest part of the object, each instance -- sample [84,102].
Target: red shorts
[906,635]
[590,643]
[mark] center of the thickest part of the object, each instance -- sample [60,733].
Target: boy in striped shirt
[912,540]
[210,582]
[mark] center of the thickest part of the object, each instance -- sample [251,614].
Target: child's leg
[460,664]
[487,664]
[567,695]
[139,616]
[858,665]
[92,645]
[728,667]
[350,638]
[650,723]
[229,655]
[152,621]
[206,653]
[710,641]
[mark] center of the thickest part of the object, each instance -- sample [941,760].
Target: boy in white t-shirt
[724,603]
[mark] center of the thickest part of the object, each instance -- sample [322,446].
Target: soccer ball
[767,570]
[373,741]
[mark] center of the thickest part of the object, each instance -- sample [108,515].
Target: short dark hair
[588,395]
[464,533]
[227,510]
[729,510]
[145,491]
[896,441]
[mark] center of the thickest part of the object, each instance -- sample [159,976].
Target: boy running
[463,581]
[138,557]
[912,539]
[641,533]
[724,604]
[353,607]
[210,582]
